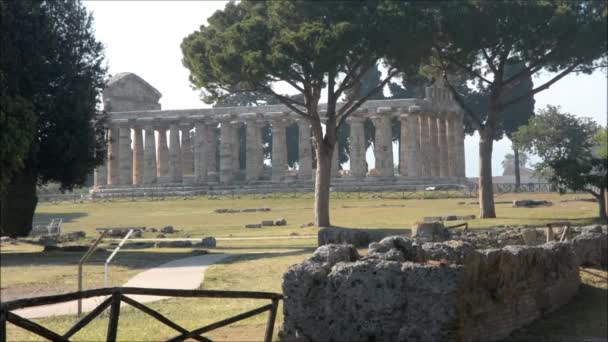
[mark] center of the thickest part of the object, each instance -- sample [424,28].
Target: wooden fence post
[114,315]
[271,318]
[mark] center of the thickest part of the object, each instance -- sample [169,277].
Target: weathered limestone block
[591,248]
[208,241]
[451,292]
[174,244]
[337,299]
[354,236]
[435,231]
[529,203]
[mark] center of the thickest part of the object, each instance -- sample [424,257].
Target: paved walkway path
[185,274]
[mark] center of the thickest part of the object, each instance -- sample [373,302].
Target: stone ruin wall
[408,289]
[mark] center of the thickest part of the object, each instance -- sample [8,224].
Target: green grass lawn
[26,271]
[195,217]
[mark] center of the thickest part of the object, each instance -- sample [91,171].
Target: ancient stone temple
[198,150]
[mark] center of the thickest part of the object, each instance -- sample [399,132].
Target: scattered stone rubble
[268,223]
[528,203]
[471,287]
[449,218]
[53,240]
[238,210]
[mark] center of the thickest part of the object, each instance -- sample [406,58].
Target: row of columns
[431,146]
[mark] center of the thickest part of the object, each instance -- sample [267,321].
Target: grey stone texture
[355,236]
[127,92]
[409,290]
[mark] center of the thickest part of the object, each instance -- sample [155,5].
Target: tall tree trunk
[516,168]
[18,204]
[486,191]
[601,200]
[322,179]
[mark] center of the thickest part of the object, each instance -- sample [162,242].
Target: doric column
[434,137]
[212,153]
[358,164]
[200,152]
[226,150]
[138,155]
[383,145]
[304,150]
[149,170]
[443,146]
[452,144]
[175,154]
[425,149]
[125,154]
[187,155]
[236,146]
[404,145]
[413,143]
[279,146]
[162,153]
[460,168]
[254,154]
[113,151]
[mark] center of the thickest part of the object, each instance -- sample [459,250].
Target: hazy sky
[143,37]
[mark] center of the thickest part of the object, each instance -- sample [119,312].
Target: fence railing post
[3,315]
[114,315]
[271,318]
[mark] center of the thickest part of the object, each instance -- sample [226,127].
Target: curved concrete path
[184,274]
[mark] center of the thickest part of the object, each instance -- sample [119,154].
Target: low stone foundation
[410,290]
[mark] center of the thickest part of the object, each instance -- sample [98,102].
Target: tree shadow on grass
[307,251]
[45,218]
[132,259]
